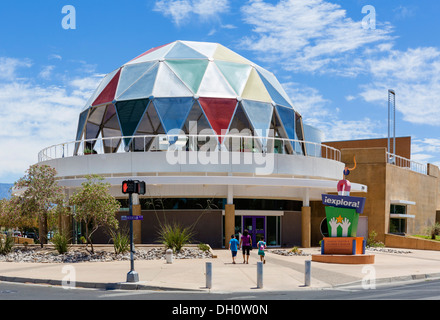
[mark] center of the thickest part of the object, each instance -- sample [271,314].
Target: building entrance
[256,225]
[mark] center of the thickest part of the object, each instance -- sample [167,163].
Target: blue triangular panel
[287,117]
[141,89]
[173,111]
[130,74]
[259,115]
[274,94]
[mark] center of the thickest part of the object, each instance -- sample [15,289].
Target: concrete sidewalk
[280,273]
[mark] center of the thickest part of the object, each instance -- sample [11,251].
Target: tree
[95,206]
[39,195]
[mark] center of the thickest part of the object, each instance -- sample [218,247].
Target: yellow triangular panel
[223,53]
[255,89]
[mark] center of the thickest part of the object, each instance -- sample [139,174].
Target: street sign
[132,218]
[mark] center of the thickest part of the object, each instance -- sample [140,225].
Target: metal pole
[132,276]
[307,273]
[259,275]
[209,275]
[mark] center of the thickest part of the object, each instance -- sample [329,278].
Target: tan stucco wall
[387,182]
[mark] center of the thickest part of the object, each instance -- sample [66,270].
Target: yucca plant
[61,242]
[175,236]
[121,242]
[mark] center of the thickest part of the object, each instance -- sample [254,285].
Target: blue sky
[333,63]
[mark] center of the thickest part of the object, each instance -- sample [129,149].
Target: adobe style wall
[388,182]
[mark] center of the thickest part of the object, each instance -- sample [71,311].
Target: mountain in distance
[5,191]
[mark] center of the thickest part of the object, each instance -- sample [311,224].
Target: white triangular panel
[169,85]
[214,85]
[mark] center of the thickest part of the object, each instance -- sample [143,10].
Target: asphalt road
[423,290]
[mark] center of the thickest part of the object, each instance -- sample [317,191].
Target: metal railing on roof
[164,142]
[407,163]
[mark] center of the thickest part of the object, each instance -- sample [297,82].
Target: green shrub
[433,230]
[203,247]
[371,241]
[175,236]
[6,244]
[61,242]
[121,242]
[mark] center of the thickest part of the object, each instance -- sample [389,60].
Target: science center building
[217,141]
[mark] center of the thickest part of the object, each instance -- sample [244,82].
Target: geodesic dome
[184,84]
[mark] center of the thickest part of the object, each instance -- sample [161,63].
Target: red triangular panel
[149,51]
[219,113]
[108,94]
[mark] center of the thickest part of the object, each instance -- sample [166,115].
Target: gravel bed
[75,255]
[387,250]
[285,252]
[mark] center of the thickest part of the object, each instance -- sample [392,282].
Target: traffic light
[128,186]
[135,186]
[141,187]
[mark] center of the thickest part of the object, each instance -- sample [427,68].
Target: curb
[408,278]
[96,285]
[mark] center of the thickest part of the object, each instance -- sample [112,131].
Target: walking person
[246,246]
[233,246]
[261,247]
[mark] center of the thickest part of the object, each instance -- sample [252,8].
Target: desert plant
[296,250]
[203,247]
[174,236]
[6,244]
[372,242]
[61,243]
[433,230]
[121,242]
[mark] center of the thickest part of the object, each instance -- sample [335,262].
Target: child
[233,246]
[261,246]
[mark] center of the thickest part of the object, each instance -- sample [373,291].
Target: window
[397,225]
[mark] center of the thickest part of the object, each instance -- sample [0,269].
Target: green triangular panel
[189,71]
[130,114]
[236,74]
[181,51]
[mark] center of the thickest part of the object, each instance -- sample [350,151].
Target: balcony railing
[163,142]
[407,163]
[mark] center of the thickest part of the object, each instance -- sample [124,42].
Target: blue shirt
[233,244]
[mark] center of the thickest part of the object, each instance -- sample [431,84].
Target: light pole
[392,122]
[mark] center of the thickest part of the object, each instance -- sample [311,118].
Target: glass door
[256,225]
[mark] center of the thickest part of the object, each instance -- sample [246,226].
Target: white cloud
[9,67]
[46,72]
[180,11]
[33,117]
[308,35]
[414,74]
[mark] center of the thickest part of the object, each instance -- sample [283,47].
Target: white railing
[163,142]
[407,163]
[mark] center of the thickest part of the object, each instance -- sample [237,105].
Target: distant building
[403,196]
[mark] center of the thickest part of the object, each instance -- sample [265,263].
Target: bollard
[259,275]
[307,273]
[169,256]
[208,275]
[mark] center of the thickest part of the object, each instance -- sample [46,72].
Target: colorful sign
[344,202]
[349,245]
[341,222]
